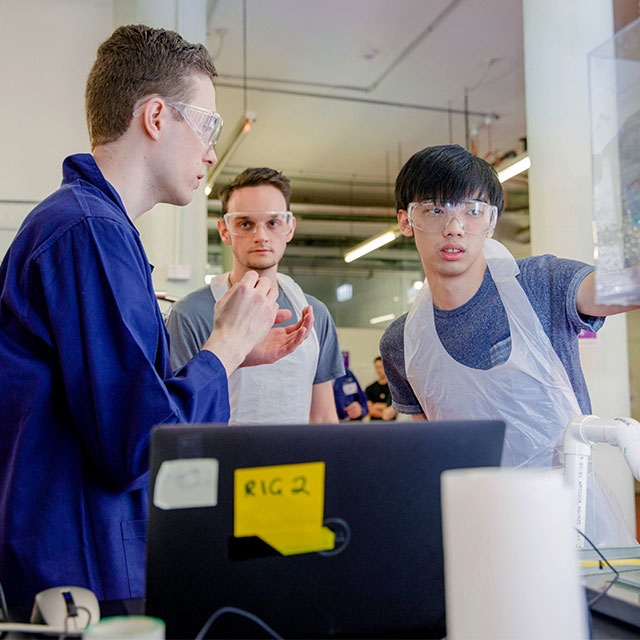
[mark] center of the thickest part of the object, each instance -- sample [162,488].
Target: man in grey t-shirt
[257,223]
[487,337]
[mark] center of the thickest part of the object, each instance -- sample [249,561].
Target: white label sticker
[349,388]
[186,483]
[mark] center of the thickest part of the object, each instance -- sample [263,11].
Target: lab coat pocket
[134,538]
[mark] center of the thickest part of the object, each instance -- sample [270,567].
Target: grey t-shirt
[190,321]
[477,333]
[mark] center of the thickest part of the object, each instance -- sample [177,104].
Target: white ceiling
[335,143]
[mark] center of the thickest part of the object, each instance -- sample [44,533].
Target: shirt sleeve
[392,353]
[330,363]
[189,324]
[112,348]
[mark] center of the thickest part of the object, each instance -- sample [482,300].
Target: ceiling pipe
[368,89]
[215,206]
[382,103]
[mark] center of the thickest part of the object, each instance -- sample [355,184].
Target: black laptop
[304,531]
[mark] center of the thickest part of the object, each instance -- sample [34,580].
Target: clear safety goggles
[207,125]
[246,224]
[473,216]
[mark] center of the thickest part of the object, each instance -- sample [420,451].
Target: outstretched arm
[586,300]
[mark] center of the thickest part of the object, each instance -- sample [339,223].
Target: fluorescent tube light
[520,163]
[373,243]
[385,318]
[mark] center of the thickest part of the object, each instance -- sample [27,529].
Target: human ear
[403,222]
[151,117]
[292,230]
[225,236]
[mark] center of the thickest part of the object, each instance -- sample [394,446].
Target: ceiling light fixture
[385,318]
[372,243]
[518,165]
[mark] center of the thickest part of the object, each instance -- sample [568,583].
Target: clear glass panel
[614,86]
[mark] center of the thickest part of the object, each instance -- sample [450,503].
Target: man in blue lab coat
[85,370]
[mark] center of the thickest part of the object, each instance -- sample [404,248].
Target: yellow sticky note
[284,506]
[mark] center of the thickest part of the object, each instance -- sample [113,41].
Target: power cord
[73,613]
[214,616]
[611,582]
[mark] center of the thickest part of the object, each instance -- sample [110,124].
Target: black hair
[447,173]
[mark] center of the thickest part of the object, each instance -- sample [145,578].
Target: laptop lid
[315,530]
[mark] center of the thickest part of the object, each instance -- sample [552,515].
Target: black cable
[602,593]
[214,616]
[77,607]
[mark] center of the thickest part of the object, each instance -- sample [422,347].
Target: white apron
[278,393]
[530,392]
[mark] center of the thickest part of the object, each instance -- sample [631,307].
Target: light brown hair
[256,177]
[134,62]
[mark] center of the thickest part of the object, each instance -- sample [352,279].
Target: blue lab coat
[84,376]
[344,399]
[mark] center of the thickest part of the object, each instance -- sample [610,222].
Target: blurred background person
[379,396]
[350,399]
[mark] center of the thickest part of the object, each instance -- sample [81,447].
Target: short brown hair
[134,62]
[256,177]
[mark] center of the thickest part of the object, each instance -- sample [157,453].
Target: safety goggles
[207,125]
[246,224]
[473,216]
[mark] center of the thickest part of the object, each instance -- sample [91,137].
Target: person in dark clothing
[379,396]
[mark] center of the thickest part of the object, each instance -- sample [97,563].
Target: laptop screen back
[362,556]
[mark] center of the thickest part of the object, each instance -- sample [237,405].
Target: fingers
[249,279]
[262,285]
[306,321]
[282,315]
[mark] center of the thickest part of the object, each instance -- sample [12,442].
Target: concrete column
[557,38]
[175,238]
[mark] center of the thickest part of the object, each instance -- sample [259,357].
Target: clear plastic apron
[530,392]
[278,393]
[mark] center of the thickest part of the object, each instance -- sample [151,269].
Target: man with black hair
[487,337]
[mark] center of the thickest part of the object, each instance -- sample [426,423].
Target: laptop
[304,531]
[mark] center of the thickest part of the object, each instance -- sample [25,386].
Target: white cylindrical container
[126,628]
[511,566]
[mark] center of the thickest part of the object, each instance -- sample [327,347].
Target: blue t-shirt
[190,321]
[85,376]
[477,333]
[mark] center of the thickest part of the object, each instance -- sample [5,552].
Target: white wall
[362,345]
[47,49]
